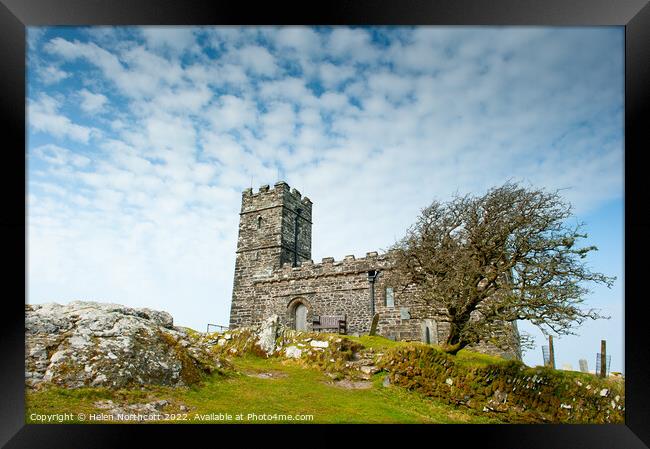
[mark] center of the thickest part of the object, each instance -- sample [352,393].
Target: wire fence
[546,353]
[608,359]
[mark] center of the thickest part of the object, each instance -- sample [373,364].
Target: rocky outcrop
[109,345]
[332,353]
[263,339]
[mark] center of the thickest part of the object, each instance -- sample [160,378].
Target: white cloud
[204,173]
[219,75]
[232,112]
[148,67]
[334,101]
[238,164]
[353,44]
[256,59]
[332,75]
[393,86]
[91,102]
[52,74]
[289,88]
[34,35]
[44,115]
[165,132]
[224,147]
[302,39]
[127,157]
[57,155]
[186,99]
[146,72]
[176,39]
[278,124]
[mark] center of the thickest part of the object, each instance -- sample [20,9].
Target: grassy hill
[264,386]
[416,383]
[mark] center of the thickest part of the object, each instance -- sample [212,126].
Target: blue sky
[140,141]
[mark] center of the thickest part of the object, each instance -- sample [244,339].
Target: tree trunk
[452,349]
[453,344]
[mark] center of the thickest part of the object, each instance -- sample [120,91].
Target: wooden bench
[330,322]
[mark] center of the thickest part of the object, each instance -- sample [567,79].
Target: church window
[390,298]
[259,222]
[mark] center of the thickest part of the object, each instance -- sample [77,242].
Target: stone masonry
[274,274]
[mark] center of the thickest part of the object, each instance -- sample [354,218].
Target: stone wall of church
[342,288]
[326,288]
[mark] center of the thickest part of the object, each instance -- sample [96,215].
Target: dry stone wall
[517,393]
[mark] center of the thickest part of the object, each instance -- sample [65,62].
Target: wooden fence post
[603,358]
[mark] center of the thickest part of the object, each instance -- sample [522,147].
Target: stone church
[274,274]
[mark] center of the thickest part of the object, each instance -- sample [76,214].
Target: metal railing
[219,327]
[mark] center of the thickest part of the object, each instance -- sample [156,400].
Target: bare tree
[504,256]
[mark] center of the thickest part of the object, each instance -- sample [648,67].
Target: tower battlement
[280,195]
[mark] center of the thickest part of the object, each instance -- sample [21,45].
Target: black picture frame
[16,15]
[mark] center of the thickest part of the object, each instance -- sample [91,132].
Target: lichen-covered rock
[293,352]
[109,345]
[369,369]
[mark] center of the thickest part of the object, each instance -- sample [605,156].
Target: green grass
[295,390]
[464,357]
[476,359]
[377,343]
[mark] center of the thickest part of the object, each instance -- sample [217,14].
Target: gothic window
[259,222]
[390,298]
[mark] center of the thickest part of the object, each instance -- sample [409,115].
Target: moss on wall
[509,388]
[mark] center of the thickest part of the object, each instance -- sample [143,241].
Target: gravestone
[373,326]
[404,313]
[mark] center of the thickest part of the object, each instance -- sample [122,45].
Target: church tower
[274,229]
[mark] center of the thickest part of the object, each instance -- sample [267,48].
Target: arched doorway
[299,312]
[429,330]
[300,317]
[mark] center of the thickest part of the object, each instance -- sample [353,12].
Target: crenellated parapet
[276,223]
[328,266]
[278,196]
